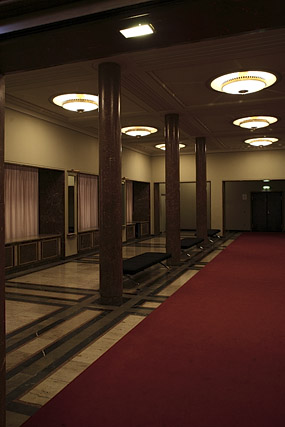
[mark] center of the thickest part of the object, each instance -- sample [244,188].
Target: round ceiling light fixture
[260,142]
[162,146]
[255,122]
[78,102]
[138,131]
[243,82]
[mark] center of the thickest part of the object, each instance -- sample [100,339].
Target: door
[266,211]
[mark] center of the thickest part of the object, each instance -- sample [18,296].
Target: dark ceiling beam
[18,15]
[11,8]
[97,35]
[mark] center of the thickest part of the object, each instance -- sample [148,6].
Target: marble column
[172,177]
[201,189]
[110,198]
[2,261]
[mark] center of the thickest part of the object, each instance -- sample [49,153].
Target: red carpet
[213,355]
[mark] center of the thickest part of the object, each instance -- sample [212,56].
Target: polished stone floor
[56,326]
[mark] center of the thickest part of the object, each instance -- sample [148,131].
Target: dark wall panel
[51,202]
[141,200]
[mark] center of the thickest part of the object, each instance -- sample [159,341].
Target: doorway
[266,211]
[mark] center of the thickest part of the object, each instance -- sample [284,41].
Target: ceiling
[169,79]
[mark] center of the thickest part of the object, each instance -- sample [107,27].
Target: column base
[174,262]
[115,300]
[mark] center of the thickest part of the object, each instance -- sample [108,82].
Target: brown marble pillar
[156,209]
[2,261]
[201,189]
[110,198]
[172,178]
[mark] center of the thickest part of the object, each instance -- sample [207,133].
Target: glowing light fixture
[162,146]
[78,102]
[266,180]
[266,187]
[243,82]
[137,31]
[255,122]
[260,142]
[138,131]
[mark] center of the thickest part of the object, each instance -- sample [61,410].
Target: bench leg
[164,265]
[130,278]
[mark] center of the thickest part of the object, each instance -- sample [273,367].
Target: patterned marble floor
[56,326]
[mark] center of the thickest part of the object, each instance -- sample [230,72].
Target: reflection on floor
[56,326]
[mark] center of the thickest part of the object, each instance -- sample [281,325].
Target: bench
[140,262]
[212,232]
[189,242]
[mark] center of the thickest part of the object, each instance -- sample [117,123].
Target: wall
[238,202]
[36,142]
[136,166]
[188,205]
[250,165]
[32,141]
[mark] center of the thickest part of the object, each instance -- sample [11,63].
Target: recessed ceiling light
[162,146]
[255,122]
[137,31]
[78,102]
[260,142]
[266,180]
[243,82]
[138,131]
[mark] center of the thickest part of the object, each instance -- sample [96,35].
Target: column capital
[171,127]
[200,140]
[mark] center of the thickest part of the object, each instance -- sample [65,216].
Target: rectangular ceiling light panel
[140,30]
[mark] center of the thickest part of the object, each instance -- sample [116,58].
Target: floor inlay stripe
[21,335]
[21,313]
[55,382]
[21,291]
[40,342]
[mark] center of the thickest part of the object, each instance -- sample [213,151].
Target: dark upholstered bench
[212,232]
[141,262]
[189,242]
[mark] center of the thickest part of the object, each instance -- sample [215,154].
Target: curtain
[87,202]
[129,201]
[21,202]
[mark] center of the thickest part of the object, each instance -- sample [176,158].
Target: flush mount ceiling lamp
[260,142]
[162,146]
[78,102]
[243,82]
[255,122]
[138,131]
[137,31]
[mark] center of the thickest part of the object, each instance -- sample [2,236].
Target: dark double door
[266,211]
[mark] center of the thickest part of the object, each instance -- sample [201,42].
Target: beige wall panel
[136,166]
[227,167]
[35,142]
